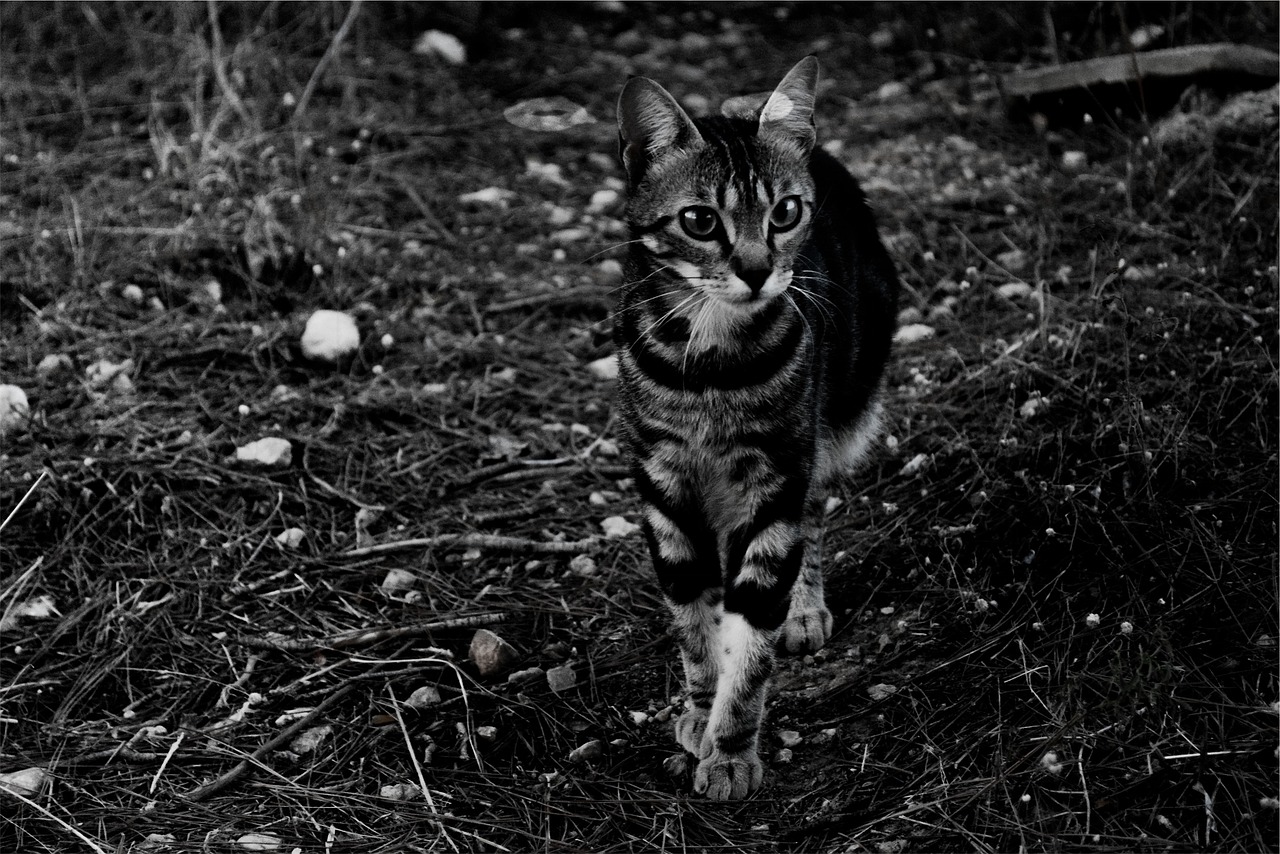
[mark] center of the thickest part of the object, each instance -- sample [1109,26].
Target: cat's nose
[754,279]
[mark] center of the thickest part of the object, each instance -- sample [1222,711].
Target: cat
[752,331]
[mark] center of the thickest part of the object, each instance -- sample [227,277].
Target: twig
[427,213]
[588,297]
[14,511]
[329,54]
[217,785]
[365,637]
[478,541]
[220,73]
[417,767]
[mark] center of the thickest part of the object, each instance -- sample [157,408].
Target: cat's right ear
[650,123]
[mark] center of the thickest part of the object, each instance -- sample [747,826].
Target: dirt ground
[1055,586]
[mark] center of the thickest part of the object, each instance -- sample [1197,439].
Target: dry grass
[143,146]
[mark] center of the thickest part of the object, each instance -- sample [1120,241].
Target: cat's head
[725,204]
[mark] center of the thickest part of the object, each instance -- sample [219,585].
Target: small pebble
[562,678]
[588,752]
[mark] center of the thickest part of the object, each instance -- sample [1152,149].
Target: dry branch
[477,541]
[365,637]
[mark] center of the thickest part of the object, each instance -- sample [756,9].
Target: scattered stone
[527,676]
[609,272]
[913,333]
[424,698]
[602,201]
[397,581]
[157,842]
[783,756]
[487,732]
[441,45]
[577,234]
[881,690]
[14,408]
[664,714]
[589,752]
[133,294]
[488,196]
[618,527]
[271,451]
[310,739]
[916,464]
[562,678]
[789,738]
[676,765]
[52,365]
[583,565]
[492,655]
[104,373]
[1015,290]
[1074,161]
[401,792]
[290,538]
[640,718]
[27,782]
[892,91]
[605,368]
[1014,261]
[1034,405]
[330,335]
[259,842]
[1093,621]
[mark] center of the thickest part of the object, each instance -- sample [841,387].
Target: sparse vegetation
[1055,588]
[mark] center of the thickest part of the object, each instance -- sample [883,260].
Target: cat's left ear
[789,111]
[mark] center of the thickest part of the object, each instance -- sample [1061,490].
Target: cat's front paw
[806,630]
[728,777]
[691,726]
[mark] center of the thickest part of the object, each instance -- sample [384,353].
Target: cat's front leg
[688,572]
[808,625]
[755,605]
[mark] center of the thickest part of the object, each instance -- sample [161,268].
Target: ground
[1054,586]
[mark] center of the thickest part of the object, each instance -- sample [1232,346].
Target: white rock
[398,580]
[916,463]
[424,698]
[617,527]
[1074,161]
[583,565]
[892,90]
[602,200]
[330,335]
[271,451]
[42,607]
[258,842]
[105,372]
[13,407]
[492,654]
[881,690]
[441,45]
[561,678]
[639,718]
[609,271]
[401,792]
[783,756]
[1034,405]
[27,782]
[588,752]
[605,368]
[913,333]
[488,196]
[290,538]
[526,676]
[1014,290]
[309,739]
[789,738]
[52,364]
[1014,260]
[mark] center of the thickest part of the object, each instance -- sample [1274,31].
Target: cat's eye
[699,221]
[785,213]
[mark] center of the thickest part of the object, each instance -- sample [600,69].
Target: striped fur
[752,333]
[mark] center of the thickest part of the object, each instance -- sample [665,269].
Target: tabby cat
[752,333]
